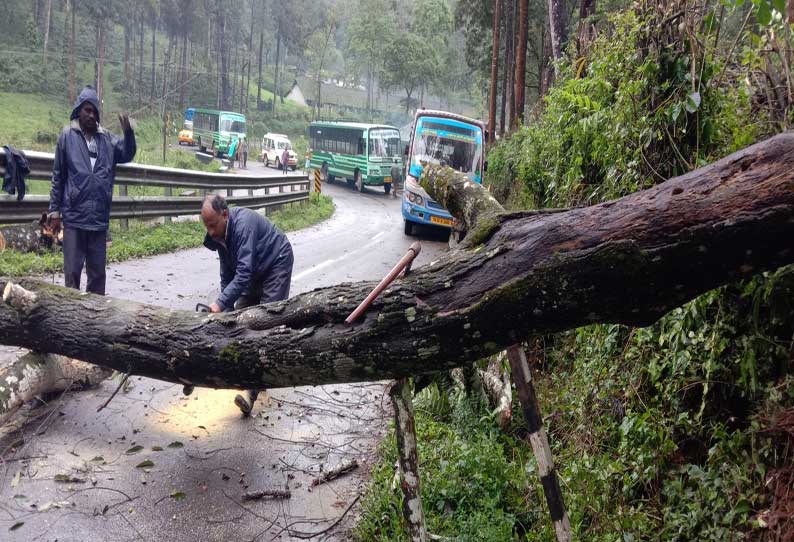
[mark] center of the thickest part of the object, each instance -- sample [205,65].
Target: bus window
[384,143]
[233,125]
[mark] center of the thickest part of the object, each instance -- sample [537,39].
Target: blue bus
[439,137]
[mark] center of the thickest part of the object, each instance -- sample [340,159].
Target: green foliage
[637,110]
[477,484]
[146,240]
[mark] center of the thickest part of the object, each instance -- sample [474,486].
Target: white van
[273,146]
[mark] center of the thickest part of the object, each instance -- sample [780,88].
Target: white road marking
[332,261]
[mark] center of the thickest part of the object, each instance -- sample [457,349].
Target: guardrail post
[168,192]
[317,181]
[124,223]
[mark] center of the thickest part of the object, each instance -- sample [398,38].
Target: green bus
[363,154]
[216,130]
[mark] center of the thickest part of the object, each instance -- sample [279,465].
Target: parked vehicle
[439,137]
[215,130]
[186,137]
[363,154]
[273,146]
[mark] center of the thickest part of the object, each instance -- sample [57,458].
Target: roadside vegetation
[143,240]
[680,431]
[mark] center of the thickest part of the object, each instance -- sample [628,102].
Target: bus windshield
[233,125]
[384,143]
[448,143]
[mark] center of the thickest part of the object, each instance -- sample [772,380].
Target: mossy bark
[626,261]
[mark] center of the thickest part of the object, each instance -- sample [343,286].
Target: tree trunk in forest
[234,77]
[154,59]
[140,62]
[628,261]
[511,75]
[248,59]
[99,63]
[497,14]
[223,50]
[36,374]
[48,18]
[72,59]
[127,72]
[506,34]
[275,77]
[584,34]
[184,70]
[521,62]
[558,27]
[259,71]
[546,70]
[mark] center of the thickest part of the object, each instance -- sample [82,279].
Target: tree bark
[275,77]
[154,58]
[47,28]
[511,75]
[24,238]
[37,374]
[497,14]
[521,62]
[558,26]
[72,91]
[408,460]
[99,63]
[584,34]
[259,70]
[627,261]
[505,78]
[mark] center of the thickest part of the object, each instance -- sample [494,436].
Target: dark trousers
[85,247]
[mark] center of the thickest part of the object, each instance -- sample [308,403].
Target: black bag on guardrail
[17,168]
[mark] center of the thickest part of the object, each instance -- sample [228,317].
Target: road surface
[127,483]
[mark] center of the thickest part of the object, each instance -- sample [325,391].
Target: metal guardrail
[290,189]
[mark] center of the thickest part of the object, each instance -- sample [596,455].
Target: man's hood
[88,94]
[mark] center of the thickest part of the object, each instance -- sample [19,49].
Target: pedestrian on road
[255,262]
[285,160]
[82,189]
[233,151]
[244,148]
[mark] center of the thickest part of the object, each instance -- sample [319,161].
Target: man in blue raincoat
[255,259]
[82,189]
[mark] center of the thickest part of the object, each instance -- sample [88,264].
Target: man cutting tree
[255,260]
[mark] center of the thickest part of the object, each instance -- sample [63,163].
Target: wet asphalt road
[192,490]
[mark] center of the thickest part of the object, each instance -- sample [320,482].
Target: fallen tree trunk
[626,261]
[31,237]
[36,374]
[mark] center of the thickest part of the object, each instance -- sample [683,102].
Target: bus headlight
[416,199]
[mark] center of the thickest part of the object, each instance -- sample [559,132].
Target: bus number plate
[387,179]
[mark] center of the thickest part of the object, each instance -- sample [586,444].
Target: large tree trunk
[497,14]
[558,25]
[521,62]
[516,275]
[505,94]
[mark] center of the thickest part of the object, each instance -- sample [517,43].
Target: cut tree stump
[31,237]
[626,261]
[35,374]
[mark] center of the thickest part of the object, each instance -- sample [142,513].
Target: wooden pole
[522,378]
[405,430]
